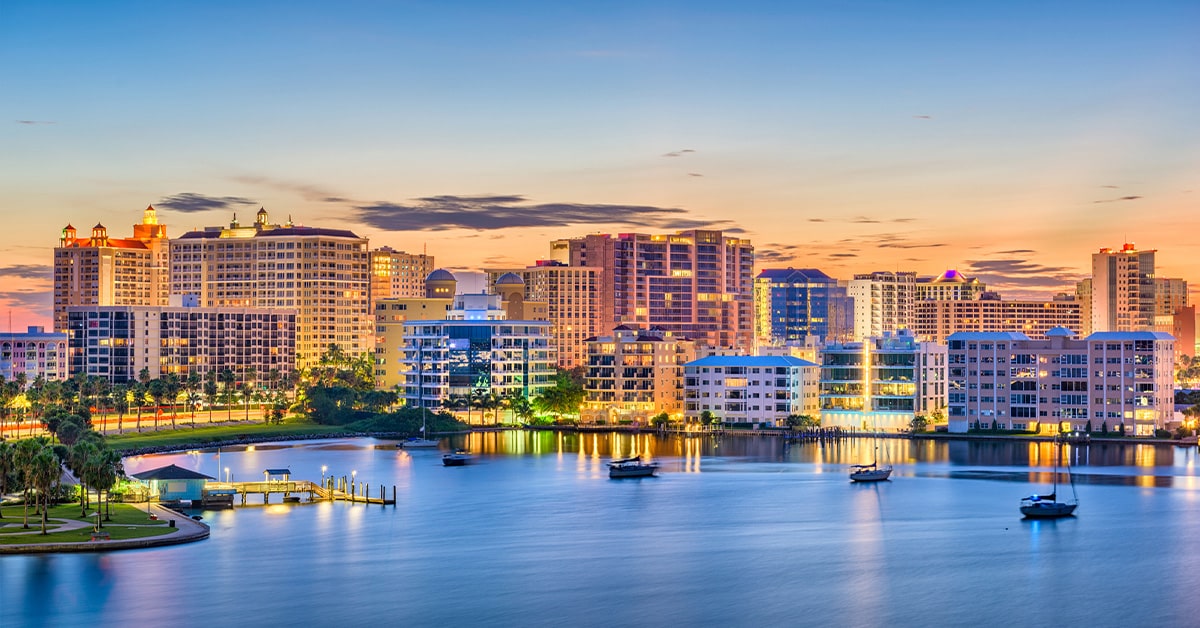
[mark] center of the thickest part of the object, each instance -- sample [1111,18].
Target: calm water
[735,532]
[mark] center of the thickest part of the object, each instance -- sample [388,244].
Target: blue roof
[987,335]
[1130,335]
[795,274]
[750,360]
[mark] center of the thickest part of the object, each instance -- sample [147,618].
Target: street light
[323,468]
[227,475]
[353,481]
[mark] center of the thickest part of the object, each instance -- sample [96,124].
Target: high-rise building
[794,304]
[1107,382]
[1123,290]
[635,374]
[695,283]
[322,274]
[934,321]
[1170,298]
[572,298]
[883,302]
[948,286]
[117,342]
[882,383]
[398,275]
[102,270]
[1083,296]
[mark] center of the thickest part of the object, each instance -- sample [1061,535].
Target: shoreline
[937,436]
[187,530]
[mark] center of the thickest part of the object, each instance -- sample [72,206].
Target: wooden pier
[224,493]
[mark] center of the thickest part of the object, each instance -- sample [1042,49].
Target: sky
[1009,141]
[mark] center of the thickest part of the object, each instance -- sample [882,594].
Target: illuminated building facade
[1123,290]
[102,270]
[1107,382]
[398,275]
[881,383]
[934,321]
[117,342]
[322,274]
[883,302]
[35,353]
[756,390]
[948,286]
[795,304]
[695,283]
[572,298]
[392,314]
[634,375]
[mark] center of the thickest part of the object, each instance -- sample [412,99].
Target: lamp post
[323,469]
[353,481]
[227,475]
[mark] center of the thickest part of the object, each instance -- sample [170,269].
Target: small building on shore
[174,483]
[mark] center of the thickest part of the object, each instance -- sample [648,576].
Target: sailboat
[871,472]
[1047,506]
[420,442]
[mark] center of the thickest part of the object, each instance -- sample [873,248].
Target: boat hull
[1047,510]
[642,471]
[453,460]
[874,475]
[419,443]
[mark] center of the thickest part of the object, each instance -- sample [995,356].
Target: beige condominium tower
[322,274]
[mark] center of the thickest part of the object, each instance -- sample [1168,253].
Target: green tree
[228,381]
[45,471]
[919,423]
[6,467]
[802,421]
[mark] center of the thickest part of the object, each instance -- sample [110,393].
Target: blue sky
[1008,140]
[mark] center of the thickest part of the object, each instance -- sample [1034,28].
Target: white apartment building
[750,390]
[883,302]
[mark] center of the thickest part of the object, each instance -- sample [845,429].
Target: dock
[223,494]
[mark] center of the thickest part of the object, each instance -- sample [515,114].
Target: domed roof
[950,276]
[441,274]
[1059,331]
[508,279]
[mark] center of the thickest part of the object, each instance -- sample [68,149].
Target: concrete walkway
[186,530]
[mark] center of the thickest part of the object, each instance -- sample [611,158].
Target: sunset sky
[1007,140]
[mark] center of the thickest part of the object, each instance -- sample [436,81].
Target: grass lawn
[128,522]
[202,435]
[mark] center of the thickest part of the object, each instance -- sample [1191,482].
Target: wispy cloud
[486,212]
[1016,252]
[32,122]
[1022,275]
[679,153]
[1118,200]
[192,202]
[304,190]
[27,271]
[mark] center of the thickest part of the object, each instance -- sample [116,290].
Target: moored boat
[631,468]
[1047,506]
[869,473]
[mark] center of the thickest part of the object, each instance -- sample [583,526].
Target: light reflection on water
[735,531]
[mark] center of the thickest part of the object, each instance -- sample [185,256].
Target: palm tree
[79,457]
[138,391]
[210,391]
[521,407]
[193,399]
[249,374]
[159,390]
[22,462]
[228,380]
[108,470]
[173,386]
[192,385]
[45,471]
[120,399]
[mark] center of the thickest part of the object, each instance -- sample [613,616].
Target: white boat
[631,468]
[869,473]
[1047,506]
[457,459]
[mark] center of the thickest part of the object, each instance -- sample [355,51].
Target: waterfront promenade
[185,530]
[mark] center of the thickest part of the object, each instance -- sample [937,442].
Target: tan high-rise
[102,270]
[323,274]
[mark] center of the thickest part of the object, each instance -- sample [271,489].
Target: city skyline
[1008,142]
